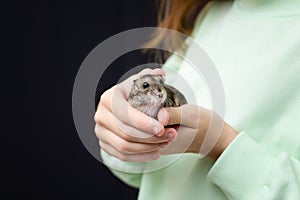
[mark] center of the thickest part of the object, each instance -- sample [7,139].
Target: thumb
[169,116]
[187,115]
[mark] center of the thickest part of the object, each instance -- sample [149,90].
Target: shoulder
[212,12]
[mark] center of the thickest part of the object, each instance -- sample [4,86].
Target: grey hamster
[149,94]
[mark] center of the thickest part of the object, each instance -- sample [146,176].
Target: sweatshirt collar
[269,7]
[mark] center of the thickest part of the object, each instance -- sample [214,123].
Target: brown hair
[178,15]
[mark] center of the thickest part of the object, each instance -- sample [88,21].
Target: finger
[157,71]
[113,102]
[112,123]
[187,115]
[186,137]
[170,116]
[133,117]
[126,147]
[170,133]
[143,157]
[135,135]
[129,115]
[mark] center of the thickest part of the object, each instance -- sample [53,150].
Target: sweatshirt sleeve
[245,170]
[128,172]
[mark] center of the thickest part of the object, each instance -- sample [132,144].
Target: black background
[44,44]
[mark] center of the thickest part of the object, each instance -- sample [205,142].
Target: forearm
[225,137]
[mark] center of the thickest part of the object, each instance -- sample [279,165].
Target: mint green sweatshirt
[255,45]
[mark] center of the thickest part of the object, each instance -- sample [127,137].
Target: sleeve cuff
[138,167]
[117,164]
[241,167]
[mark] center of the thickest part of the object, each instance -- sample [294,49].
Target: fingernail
[157,131]
[171,135]
[155,156]
[164,145]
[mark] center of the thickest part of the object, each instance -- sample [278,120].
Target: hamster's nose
[160,95]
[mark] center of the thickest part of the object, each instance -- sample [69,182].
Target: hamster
[149,94]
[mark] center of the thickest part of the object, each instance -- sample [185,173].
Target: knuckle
[123,157]
[101,145]
[97,117]
[101,114]
[97,132]
[123,147]
[104,95]
[127,136]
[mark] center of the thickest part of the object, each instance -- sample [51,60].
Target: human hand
[200,131]
[127,133]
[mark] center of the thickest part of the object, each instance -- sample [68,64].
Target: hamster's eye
[145,85]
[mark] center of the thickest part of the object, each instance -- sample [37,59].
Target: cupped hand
[127,133]
[201,130]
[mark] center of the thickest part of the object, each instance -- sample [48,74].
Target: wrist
[201,132]
[226,136]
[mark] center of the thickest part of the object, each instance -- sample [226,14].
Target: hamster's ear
[162,78]
[134,84]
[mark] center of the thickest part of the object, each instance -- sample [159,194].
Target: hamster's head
[149,89]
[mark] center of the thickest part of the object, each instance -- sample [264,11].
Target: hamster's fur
[149,94]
